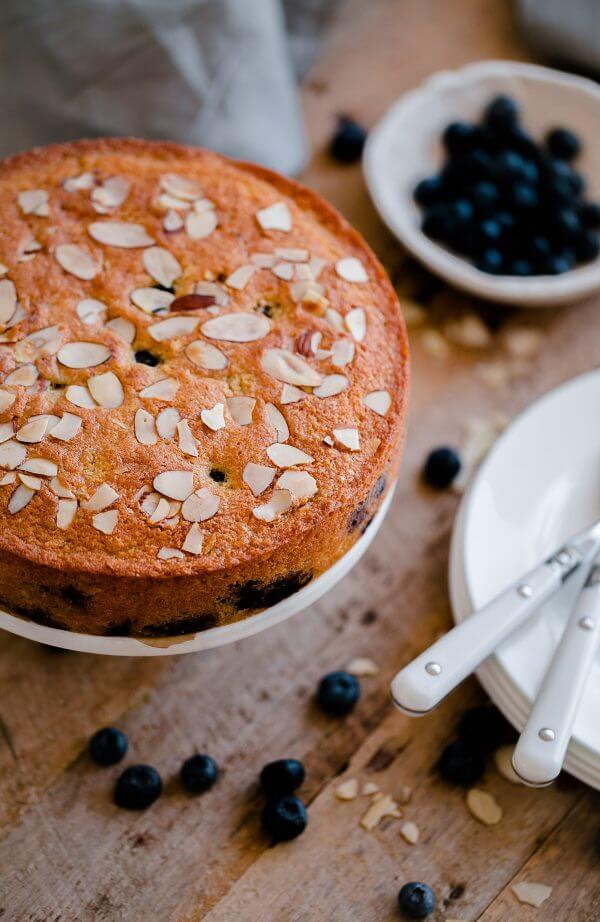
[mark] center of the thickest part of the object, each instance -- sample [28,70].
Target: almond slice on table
[291,394]
[280,502]
[348,438]
[83,354]
[214,417]
[484,807]
[165,389]
[289,368]
[145,428]
[24,376]
[6,400]
[123,328]
[241,409]
[384,806]
[187,442]
[284,455]
[65,512]
[170,553]
[76,261]
[152,300]
[181,187]
[206,356]
[193,540]
[275,217]
[173,327]
[278,421]
[362,666]
[201,224]
[67,428]
[102,497]
[174,484]
[111,193]
[91,311]
[19,499]
[351,269]
[356,323]
[258,477]
[120,234]
[33,431]
[369,788]
[107,390]
[410,832]
[8,300]
[331,385]
[239,327]
[347,790]
[12,454]
[200,506]
[35,202]
[300,484]
[166,422]
[378,401]
[79,396]
[161,265]
[526,891]
[106,521]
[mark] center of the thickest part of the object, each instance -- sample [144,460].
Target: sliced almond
[67,428]
[34,201]
[173,327]
[166,422]
[174,484]
[181,187]
[280,503]
[172,221]
[193,540]
[6,400]
[111,193]
[356,323]
[526,891]
[200,225]
[484,807]
[107,390]
[258,477]
[187,442]
[349,438]
[123,328]
[331,386]
[83,354]
[8,300]
[362,666]
[91,311]
[238,327]
[284,271]
[291,394]
[161,265]
[214,417]
[206,356]
[75,183]
[7,431]
[165,389]
[7,479]
[410,832]
[102,497]
[347,790]
[161,511]
[277,420]
[24,376]
[120,234]
[369,788]
[200,506]
[275,217]
[79,396]
[292,254]
[241,409]
[301,484]
[145,428]
[170,553]
[287,455]
[33,431]
[34,483]
[106,522]
[342,353]
[334,319]
[19,499]
[213,290]
[76,261]
[385,806]
[149,502]
[378,401]
[12,455]
[65,512]
[203,204]
[152,300]
[289,368]
[43,467]
[351,269]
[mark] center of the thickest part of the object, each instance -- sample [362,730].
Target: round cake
[203,386]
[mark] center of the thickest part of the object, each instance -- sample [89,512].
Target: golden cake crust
[81,577]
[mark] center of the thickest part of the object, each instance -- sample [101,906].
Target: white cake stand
[213,637]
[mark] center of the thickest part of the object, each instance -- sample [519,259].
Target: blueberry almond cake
[203,385]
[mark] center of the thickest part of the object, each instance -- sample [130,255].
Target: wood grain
[67,853]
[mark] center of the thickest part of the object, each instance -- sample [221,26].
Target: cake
[203,386]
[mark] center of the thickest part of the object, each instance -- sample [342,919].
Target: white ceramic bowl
[404,147]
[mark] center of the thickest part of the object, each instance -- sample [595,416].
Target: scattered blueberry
[563,144]
[281,777]
[428,191]
[138,787]
[461,763]
[284,818]
[217,475]
[416,901]
[338,692]
[484,728]
[441,467]
[198,773]
[144,357]
[348,141]
[108,746]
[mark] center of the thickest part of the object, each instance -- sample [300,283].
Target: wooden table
[68,854]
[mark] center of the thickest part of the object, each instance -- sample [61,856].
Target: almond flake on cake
[161,265]
[77,183]
[240,277]
[76,261]
[241,409]
[91,311]
[291,394]
[284,271]
[301,484]
[351,269]
[174,484]
[284,455]
[170,553]
[275,217]
[277,420]
[214,417]
[348,438]
[123,328]
[331,386]
[238,327]
[44,467]
[65,512]
[152,300]
[279,503]
[289,368]
[68,427]
[172,221]
[12,454]
[83,354]
[106,522]
[200,506]
[107,390]
[181,187]
[20,498]
[145,428]
[356,323]
[378,401]
[34,483]
[206,356]
[103,496]
[201,224]
[111,194]
[8,300]
[35,202]
[342,353]
[165,389]
[187,442]
[193,540]
[24,376]
[173,328]
[258,477]
[120,234]
[166,422]
[79,396]
[33,431]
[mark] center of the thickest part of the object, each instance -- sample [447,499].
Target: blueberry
[459,137]
[590,215]
[347,143]
[281,777]
[587,246]
[461,763]
[284,818]
[563,143]
[478,164]
[491,261]
[522,267]
[505,219]
[489,231]
[338,693]
[484,194]
[108,746]
[560,171]
[556,265]
[441,467]
[198,773]
[540,246]
[144,357]
[566,224]
[461,211]
[484,728]
[522,196]
[428,191]
[217,475]
[516,138]
[501,113]
[138,787]
[438,222]
[416,901]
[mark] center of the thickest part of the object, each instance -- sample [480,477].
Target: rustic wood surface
[67,853]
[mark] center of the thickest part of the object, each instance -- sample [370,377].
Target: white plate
[213,637]
[539,484]
[404,147]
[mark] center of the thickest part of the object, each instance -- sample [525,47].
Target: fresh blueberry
[587,246]
[217,475]
[521,267]
[484,728]
[501,113]
[284,818]
[460,137]
[485,194]
[522,196]
[461,763]
[461,211]
[338,692]
[478,164]
[560,171]
[428,191]
[198,773]
[281,777]
[441,467]
[491,261]
[590,215]
[489,232]
[144,357]
[108,746]
[566,224]
[556,265]
[416,901]
[438,222]
[563,143]
[540,246]
[348,141]
[505,219]
[516,138]
[138,787]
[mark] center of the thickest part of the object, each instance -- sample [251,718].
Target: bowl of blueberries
[490,176]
